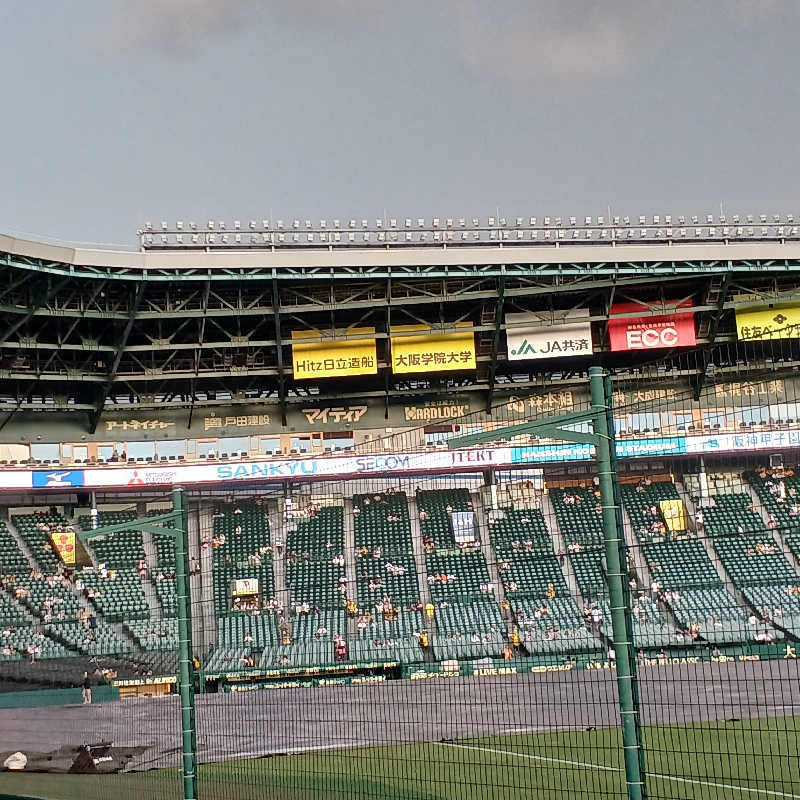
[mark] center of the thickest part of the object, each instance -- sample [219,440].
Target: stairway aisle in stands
[276,515]
[204,620]
[482,525]
[350,563]
[560,546]
[777,535]
[21,543]
[149,548]
[419,558]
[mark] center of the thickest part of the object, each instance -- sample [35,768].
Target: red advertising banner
[650,333]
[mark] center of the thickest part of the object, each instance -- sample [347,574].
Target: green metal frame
[180,532]
[602,437]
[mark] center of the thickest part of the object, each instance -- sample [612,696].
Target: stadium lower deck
[381,588]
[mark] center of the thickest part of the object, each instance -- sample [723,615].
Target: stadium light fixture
[323,223]
[210,225]
[265,224]
[222,225]
[237,225]
[179,225]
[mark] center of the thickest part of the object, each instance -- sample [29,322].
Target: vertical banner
[430,351]
[674,514]
[64,545]
[340,353]
[548,334]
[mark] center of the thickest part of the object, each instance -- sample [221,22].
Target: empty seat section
[121,550]
[118,596]
[35,530]
[578,515]
[13,562]
[381,520]
[435,507]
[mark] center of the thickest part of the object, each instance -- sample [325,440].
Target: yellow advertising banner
[780,322]
[64,545]
[431,351]
[674,513]
[336,355]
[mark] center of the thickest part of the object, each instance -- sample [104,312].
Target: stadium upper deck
[246,339]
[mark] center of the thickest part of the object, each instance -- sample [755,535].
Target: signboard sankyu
[550,334]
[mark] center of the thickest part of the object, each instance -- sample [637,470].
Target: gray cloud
[510,40]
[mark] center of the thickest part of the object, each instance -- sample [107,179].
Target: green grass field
[743,759]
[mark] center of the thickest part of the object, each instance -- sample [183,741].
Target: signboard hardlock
[556,334]
[653,332]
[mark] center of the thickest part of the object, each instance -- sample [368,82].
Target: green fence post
[622,640]
[185,671]
[623,560]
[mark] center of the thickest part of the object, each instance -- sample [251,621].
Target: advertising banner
[550,334]
[336,356]
[431,351]
[651,332]
[244,587]
[724,442]
[760,324]
[64,545]
[281,469]
[55,479]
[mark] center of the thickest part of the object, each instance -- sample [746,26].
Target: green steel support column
[185,672]
[623,646]
[623,560]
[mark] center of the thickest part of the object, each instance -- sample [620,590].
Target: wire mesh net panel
[88,659]
[451,629]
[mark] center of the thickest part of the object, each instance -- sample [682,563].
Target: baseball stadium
[418,509]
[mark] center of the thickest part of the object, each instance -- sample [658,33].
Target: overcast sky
[119,111]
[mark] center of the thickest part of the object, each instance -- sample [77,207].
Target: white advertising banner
[548,334]
[244,586]
[445,460]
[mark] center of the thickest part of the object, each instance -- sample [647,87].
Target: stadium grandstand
[369,594]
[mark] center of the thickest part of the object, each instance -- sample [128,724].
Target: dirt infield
[258,723]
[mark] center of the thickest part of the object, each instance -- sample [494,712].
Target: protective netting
[440,624]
